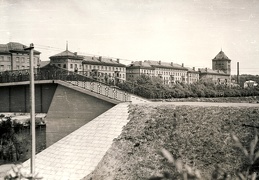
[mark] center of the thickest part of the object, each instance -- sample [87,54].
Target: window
[9,67]
[17,67]
[23,60]
[80,66]
[1,58]
[71,66]
[17,59]
[8,58]
[64,66]
[2,68]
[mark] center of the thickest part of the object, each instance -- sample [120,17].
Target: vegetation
[13,145]
[245,77]
[200,136]
[186,172]
[153,88]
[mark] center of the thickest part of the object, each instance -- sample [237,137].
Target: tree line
[154,88]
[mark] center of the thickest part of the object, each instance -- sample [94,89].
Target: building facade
[215,76]
[169,73]
[221,70]
[136,68]
[104,69]
[14,57]
[221,63]
[192,75]
[67,60]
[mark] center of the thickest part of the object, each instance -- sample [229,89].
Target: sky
[181,31]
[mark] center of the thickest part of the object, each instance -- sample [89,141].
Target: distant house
[250,83]
[13,56]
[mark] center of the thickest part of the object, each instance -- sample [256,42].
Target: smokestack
[172,64]
[100,58]
[182,64]
[75,53]
[159,62]
[193,68]
[206,69]
[140,63]
[118,60]
[237,72]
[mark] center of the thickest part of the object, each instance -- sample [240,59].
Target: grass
[200,136]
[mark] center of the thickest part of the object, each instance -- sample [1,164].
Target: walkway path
[77,154]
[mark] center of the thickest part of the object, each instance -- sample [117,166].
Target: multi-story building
[136,68]
[170,73]
[67,60]
[221,69]
[222,63]
[215,76]
[192,75]
[14,57]
[104,69]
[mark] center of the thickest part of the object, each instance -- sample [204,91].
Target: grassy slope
[199,135]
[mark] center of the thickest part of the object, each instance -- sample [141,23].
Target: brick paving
[77,154]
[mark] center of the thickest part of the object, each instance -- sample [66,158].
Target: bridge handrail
[57,73]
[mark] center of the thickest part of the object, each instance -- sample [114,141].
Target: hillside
[198,135]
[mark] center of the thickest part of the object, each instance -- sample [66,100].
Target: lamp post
[32,109]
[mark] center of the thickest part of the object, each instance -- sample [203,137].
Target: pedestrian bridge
[87,115]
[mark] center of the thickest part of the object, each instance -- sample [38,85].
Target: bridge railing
[56,73]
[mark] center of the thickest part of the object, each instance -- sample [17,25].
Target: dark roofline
[169,67]
[64,57]
[212,73]
[140,67]
[103,63]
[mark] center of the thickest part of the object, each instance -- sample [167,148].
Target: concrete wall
[70,110]
[17,98]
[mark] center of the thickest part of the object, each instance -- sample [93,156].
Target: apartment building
[14,57]
[104,69]
[170,73]
[67,60]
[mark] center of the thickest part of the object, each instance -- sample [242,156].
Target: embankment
[199,135]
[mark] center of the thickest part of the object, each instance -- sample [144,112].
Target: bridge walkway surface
[77,154]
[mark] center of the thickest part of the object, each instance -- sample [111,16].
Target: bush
[12,144]
[154,88]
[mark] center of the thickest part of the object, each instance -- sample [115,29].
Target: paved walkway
[77,154]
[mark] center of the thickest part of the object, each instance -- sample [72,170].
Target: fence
[56,73]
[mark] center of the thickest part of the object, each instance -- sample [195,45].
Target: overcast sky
[181,31]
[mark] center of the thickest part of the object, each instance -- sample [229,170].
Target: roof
[44,63]
[192,70]
[15,47]
[161,64]
[140,64]
[66,54]
[221,56]
[210,71]
[101,61]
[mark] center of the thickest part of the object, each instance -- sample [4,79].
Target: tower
[222,62]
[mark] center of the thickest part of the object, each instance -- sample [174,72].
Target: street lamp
[32,110]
